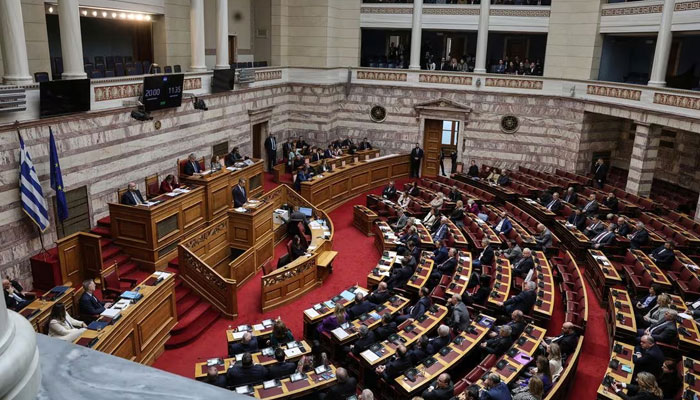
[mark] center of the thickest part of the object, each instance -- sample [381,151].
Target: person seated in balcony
[499,68]
[169,184]
[531,70]
[63,326]
[663,256]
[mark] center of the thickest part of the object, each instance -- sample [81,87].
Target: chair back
[118,69]
[152,187]
[177,68]
[41,77]
[168,69]
[109,61]
[109,73]
[268,267]
[110,278]
[181,165]
[99,60]
[138,69]
[120,193]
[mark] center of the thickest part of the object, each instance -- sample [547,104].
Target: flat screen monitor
[306,211]
[64,97]
[162,91]
[222,80]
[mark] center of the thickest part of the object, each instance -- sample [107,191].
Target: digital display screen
[64,97]
[162,91]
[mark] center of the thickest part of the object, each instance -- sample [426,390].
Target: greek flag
[33,202]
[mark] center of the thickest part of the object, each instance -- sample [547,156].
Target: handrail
[217,290]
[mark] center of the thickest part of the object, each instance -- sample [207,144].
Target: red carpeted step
[104,242]
[192,331]
[127,268]
[120,259]
[186,303]
[110,252]
[191,317]
[174,264]
[102,231]
[181,291]
[106,222]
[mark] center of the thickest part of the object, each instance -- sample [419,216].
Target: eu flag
[57,179]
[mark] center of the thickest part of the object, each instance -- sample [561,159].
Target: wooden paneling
[80,256]
[432,138]
[243,267]
[153,324]
[126,348]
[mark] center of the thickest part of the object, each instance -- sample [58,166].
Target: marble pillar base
[17,80]
[73,75]
[20,374]
[77,372]
[198,69]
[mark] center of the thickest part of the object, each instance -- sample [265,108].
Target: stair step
[127,268]
[104,242]
[174,264]
[181,292]
[110,251]
[192,331]
[120,259]
[190,317]
[106,221]
[186,303]
[102,231]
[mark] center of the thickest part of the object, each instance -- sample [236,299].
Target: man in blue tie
[240,196]
[192,167]
[441,233]
[271,147]
[604,238]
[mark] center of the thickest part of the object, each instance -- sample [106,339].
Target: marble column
[643,161]
[13,44]
[416,34]
[71,39]
[222,35]
[663,46]
[482,39]
[197,35]
[20,375]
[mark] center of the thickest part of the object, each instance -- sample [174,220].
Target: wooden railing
[80,257]
[207,283]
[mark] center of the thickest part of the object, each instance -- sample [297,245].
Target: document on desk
[340,333]
[290,353]
[347,295]
[238,335]
[311,313]
[258,327]
[369,356]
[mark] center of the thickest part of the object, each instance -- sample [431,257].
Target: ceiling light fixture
[50,9]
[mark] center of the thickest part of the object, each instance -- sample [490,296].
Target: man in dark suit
[663,256]
[347,142]
[365,145]
[316,155]
[329,152]
[544,238]
[504,179]
[442,230]
[473,170]
[623,228]
[517,325]
[523,301]
[400,276]
[446,268]
[233,157]
[441,389]
[281,368]
[571,196]
[591,207]
[499,344]
[494,389]
[459,318]
[271,148]
[504,226]
[419,352]
[386,329]
[595,228]
[132,197]
[288,147]
[345,386]
[664,331]
[245,373]
[524,264]
[418,309]
[640,237]
[604,238]
[360,307]
[416,157]
[302,176]
[395,367]
[567,340]
[366,339]
[611,202]
[648,356]
[380,294]
[440,254]
[486,256]
[214,378]
[89,304]
[240,196]
[577,219]
[247,344]
[600,173]
[14,299]
[555,204]
[192,166]
[389,192]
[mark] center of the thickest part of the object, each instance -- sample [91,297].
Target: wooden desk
[621,322]
[574,238]
[314,315]
[625,359]
[537,210]
[462,345]
[657,275]
[344,183]
[602,273]
[261,330]
[501,192]
[383,269]
[691,367]
[200,368]
[144,327]
[422,273]
[460,279]
[363,219]
[426,240]
[384,238]
[218,187]
[150,234]
[500,282]
[460,241]
[288,389]
[39,310]
[370,321]
[688,330]
[545,287]
[477,230]
[380,352]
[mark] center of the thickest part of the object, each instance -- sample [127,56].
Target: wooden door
[257,140]
[231,50]
[432,135]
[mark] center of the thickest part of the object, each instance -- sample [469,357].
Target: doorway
[231,50]
[432,137]
[259,135]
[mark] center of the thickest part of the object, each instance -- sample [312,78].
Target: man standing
[600,173]
[271,147]
[416,157]
[240,196]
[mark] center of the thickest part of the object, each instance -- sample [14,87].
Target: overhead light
[114,15]
[148,17]
[122,15]
[104,14]
[94,13]
[84,13]
[139,17]
[50,9]
[131,16]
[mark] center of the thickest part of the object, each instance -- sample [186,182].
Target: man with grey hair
[132,196]
[648,356]
[89,303]
[500,343]
[192,167]
[543,238]
[247,344]
[441,389]
[345,387]
[442,340]
[367,338]
[523,301]
[664,331]
[640,237]
[460,314]
[441,232]
[366,395]
[524,264]
[494,389]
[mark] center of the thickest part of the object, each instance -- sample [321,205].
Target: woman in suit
[645,389]
[168,184]
[431,218]
[332,321]
[656,314]
[217,163]
[298,249]
[280,334]
[457,215]
[63,326]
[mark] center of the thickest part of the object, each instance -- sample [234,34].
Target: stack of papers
[311,313]
[258,327]
[214,361]
[329,304]
[270,384]
[162,275]
[122,304]
[290,353]
[369,356]
[340,333]
[111,313]
[347,295]
[238,335]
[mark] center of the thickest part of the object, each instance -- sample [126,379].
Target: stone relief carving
[627,94]
[115,92]
[382,76]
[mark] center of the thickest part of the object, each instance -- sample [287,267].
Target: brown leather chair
[112,284]
[152,186]
[181,165]
[120,193]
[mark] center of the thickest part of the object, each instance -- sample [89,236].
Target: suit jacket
[327,154]
[650,360]
[604,238]
[389,192]
[316,157]
[237,375]
[384,331]
[438,393]
[567,343]
[612,204]
[396,367]
[623,230]
[240,347]
[271,144]
[503,180]
[399,277]
[301,177]
[437,343]
[12,303]
[378,297]
[416,155]
[287,148]
[364,343]
[554,205]
[440,255]
[365,146]
[600,173]
[447,267]
[239,196]
[639,239]
[506,226]
[523,266]
[516,328]
[441,233]
[579,221]
[498,345]
[421,306]
[192,167]
[418,354]
[360,308]
[479,297]
[460,317]
[219,380]
[473,171]
[323,168]
[664,331]
[281,370]
[594,229]
[523,301]
[90,305]
[663,257]
[486,256]
[498,392]
[342,391]
[128,198]
[571,198]
[591,207]
[544,240]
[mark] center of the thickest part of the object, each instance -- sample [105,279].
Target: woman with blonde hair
[457,215]
[656,314]
[555,361]
[647,388]
[535,390]
[332,321]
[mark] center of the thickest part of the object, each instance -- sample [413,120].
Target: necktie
[586,207]
[600,237]
[550,205]
[136,198]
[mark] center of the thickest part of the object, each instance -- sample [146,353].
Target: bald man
[14,299]
[441,389]
[132,197]
[567,340]
[346,386]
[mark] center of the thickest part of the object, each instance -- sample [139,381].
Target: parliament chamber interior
[350,199]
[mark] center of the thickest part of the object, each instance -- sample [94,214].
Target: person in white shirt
[404,200]
[63,326]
